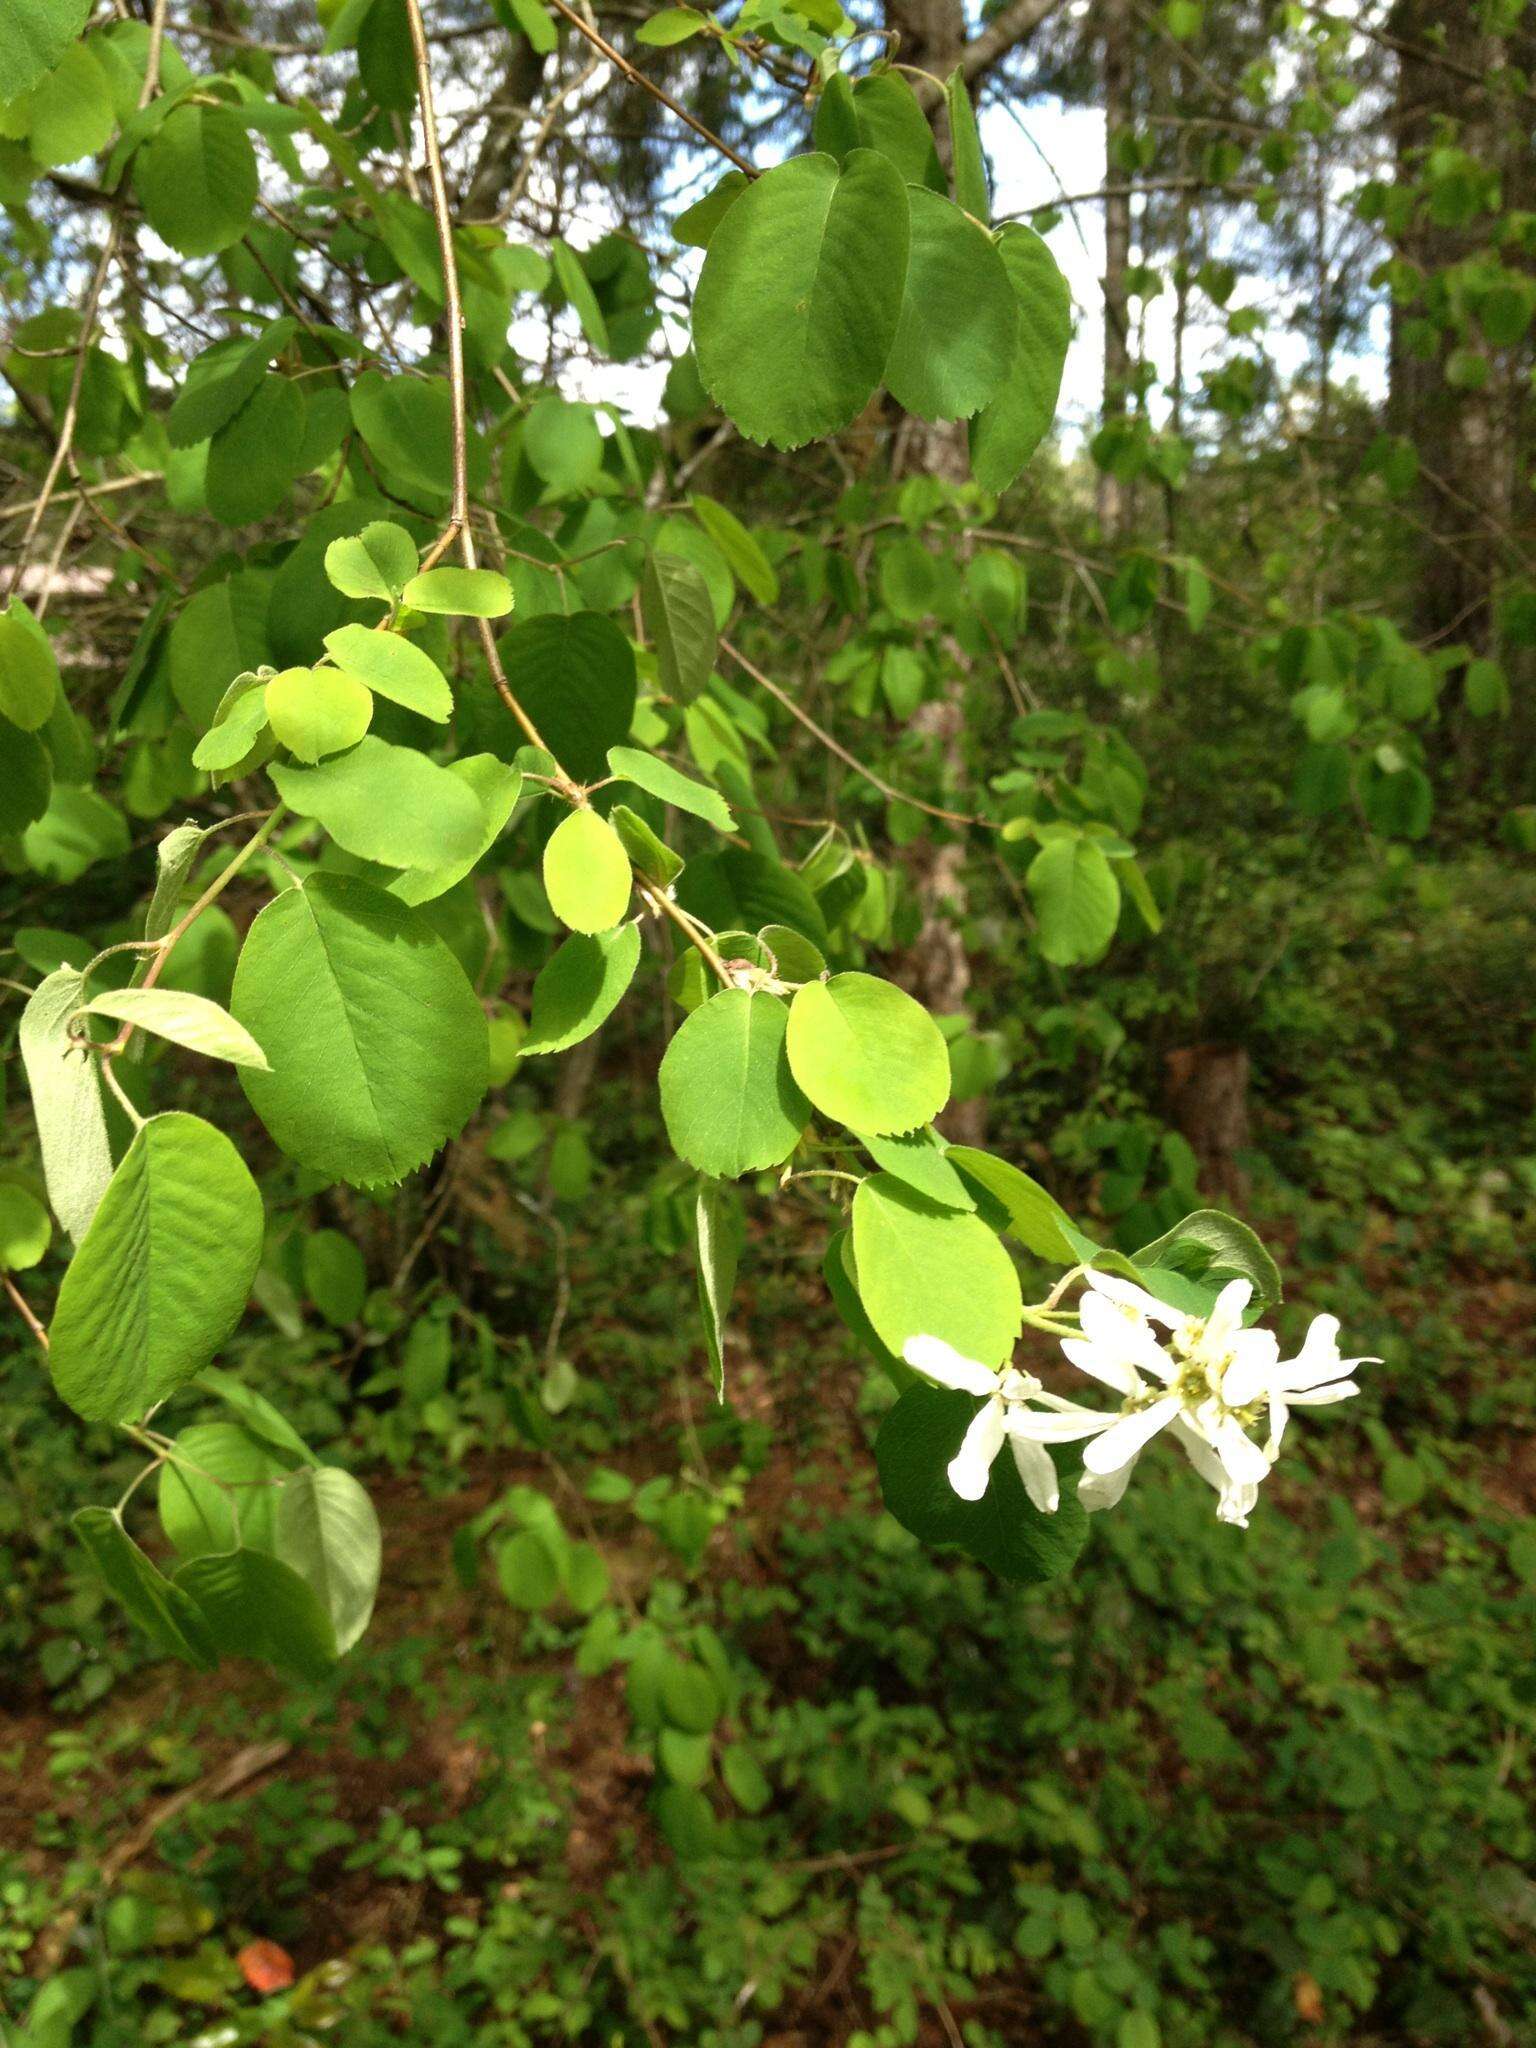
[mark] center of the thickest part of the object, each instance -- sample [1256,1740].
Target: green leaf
[233,736]
[679,619]
[258,1417]
[1212,1247]
[72,114]
[78,829]
[650,857]
[162,1274]
[318,711]
[867,1055]
[378,1044]
[328,1533]
[162,1609]
[671,786]
[670,25]
[1012,425]
[1076,898]
[25,1228]
[563,445]
[580,987]
[221,379]
[890,120]
[749,564]
[920,1160]
[462,593]
[407,426]
[728,1097]
[1004,1529]
[378,562]
[738,890]
[198,1513]
[586,872]
[335,1276]
[218,635]
[926,1271]
[26,779]
[254,1605]
[393,667]
[971,189]
[577,287]
[695,224]
[743,1778]
[1035,1218]
[496,788]
[29,673]
[254,457]
[797,303]
[387,803]
[719,1232]
[196,180]
[959,323]
[185,1019]
[66,1102]
[689,1697]
[34,35]
[575,678]
[528,1571]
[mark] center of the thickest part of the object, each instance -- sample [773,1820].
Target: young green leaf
[25,1228]
[927,1271]
[1076,897]
[317,711]
[218,1489]
[671,786]
[393,667]
[387,803]
[868,1055]
[496,788]
[462,593]
[185,1019]
[1035,1218]
[797,304]
[66,1101]
[587,873]
[579,987]
[328,1532]
[378,562]
[162,1274]
[728,1097]
[29,672]
[920,1159]
[378,1044]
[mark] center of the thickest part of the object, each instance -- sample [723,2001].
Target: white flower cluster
[1206,1380]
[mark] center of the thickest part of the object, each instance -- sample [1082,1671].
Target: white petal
[1067,1425]
[1100,1365]
[971,1466]
[1226,1318]
[1199,1452]
[1279,1416]
[1245,1464]
[1129,1295]
[1255,1358]
[1319,1397]
[1098,1491]
[1120,1443]
[1236,1504]
[941,1362]
[1126,1338]
[1038,1472]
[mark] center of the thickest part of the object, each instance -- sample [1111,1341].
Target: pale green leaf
[462,593]
[1035,1218]
[66,1102]
[867,1054]
[318,711]
[1076,897]
[25,1228]
[748,563]
[29,672]
[387,803]
[587,875]
[671,786]
[188,1020]
[328,1533]
[393,667]
[496,789]
[378,562]
[219,1489]
[926,1271]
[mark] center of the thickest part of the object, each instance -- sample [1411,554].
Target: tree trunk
[1116,29]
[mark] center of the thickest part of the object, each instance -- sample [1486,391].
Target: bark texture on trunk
[1116,30]
[1206,1092]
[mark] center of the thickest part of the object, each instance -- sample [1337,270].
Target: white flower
[1003,1417]
[1207,1382]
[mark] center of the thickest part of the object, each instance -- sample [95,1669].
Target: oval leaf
[867,1054]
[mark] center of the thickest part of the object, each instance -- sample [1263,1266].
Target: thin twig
[657,92]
